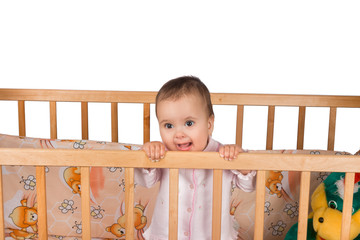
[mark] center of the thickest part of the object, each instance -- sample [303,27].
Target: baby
[186,121]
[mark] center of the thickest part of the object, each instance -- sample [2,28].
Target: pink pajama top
[195,200]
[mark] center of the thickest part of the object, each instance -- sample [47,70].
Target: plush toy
[327,204]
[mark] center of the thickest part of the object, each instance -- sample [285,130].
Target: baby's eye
[189,123]
[168,125]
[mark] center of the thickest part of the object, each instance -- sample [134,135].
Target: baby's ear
[211,125]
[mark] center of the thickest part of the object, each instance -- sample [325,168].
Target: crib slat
[216,207]
[53,120]
[270,128]
[303,205]
[84,121]
[114,122]
[2,232]
[239,124]
[41,202]
[332,124]
[146,122]
[347,207]
[301,128]
[85,203]
[129,203]
[21,114]
[173,203]
[260,206]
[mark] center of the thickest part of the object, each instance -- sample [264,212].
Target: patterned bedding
[107,196]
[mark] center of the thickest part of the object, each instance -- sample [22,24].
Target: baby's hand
[230,152]
[154,150]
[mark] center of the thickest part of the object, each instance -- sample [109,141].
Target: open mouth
[184,146]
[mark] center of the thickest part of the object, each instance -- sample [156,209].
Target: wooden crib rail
[176,160]
[149,97]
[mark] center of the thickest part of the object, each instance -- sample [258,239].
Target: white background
[297,47]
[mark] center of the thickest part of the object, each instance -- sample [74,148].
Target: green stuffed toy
[327,203]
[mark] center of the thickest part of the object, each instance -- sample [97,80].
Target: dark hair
[182,86]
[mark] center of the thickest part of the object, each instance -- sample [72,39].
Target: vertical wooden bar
[347,207]
[303,205]
[332,124]
[53,120]
[129,203]
[41,174]
[173,203]
[114,122]
[2,232]
[239,124]
[216,207]
[22,132]
[146,122]
[301,128]
[41,202]
[85,203]
[260,206]
[85,177]
[21,115]
[270,128]
[84,121]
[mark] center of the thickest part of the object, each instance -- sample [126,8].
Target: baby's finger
[158,152]
[153,157]
[222,152]
[236,151]
[227,152]
[162,151]
[232,153]
[148,152]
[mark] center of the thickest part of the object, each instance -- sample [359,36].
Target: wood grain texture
[347,207]
[239,124]
[216,204]
[301,128]
[114,122]
[173,203]
[129,203]
[270,128]
[146,122]
[149,97]
[53,120]
[84,121]
[303,205]
[41,201]
[85,203]
[260,206]
[174,159]
[21,117]
[332,125]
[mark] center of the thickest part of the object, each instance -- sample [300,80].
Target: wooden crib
[175,160]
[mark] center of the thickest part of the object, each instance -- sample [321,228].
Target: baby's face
[184,123]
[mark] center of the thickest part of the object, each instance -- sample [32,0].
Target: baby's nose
[179,134]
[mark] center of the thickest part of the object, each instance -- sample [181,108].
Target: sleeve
[245,182]
[147,177]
